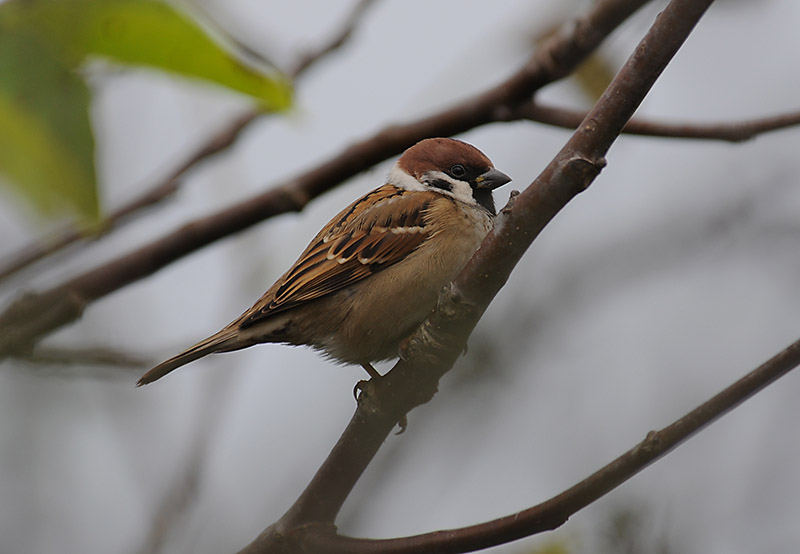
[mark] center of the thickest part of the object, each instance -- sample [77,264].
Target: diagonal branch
[556,511]
[335,42]
[34,315]
[734,132]
[434,348]
[219,142]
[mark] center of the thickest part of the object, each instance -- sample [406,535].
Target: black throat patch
[484,198]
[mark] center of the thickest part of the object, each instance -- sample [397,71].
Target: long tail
[225,340]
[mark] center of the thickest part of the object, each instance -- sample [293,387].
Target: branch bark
[34,315]
[434,348]
[739,131]
[556,511]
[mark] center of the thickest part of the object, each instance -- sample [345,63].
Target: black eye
[458,171]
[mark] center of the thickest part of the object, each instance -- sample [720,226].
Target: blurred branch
[219,142]
[86,363]
[86,356]
[34,252]
[180,496]
[556,511]
[94,363]
[350,25]
[308,526]
[34,315]
[734,132]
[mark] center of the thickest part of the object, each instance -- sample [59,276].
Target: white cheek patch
[460,190]
[400,178]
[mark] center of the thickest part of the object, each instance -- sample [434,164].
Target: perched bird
[373,273]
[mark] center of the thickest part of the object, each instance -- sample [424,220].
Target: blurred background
[677,272]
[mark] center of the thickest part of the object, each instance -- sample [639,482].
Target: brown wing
[376,231]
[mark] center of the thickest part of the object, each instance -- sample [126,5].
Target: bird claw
[358,389]
[402,424]
[360,392]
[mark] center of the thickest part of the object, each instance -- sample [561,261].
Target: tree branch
[434,348]
[556,511]
[34,315]
[219,142]
[733,132]
[335,42]
[86,356]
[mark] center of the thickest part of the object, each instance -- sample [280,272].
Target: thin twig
[738,131]
[95,363]
[82,357]
[335,42]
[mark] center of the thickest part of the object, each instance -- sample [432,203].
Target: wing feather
[375,232]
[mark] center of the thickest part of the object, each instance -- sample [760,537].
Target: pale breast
[397,299]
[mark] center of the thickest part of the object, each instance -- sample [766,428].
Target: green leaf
[144,33]
[46,141]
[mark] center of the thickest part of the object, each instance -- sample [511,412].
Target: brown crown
[440,154]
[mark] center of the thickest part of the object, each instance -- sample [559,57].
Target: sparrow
[374,272]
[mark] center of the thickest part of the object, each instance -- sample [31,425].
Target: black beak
[491,179]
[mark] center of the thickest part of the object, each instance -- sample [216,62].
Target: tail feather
[216,343]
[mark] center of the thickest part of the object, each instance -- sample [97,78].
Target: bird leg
[371,370]
[359,389]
